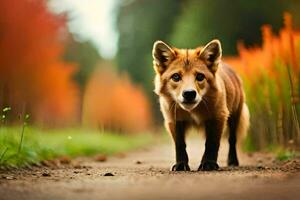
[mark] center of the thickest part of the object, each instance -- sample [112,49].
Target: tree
[112,102]
[202,21]
[34,79]
[140,24]
[86,56]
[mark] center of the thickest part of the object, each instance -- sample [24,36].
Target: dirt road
[145,175]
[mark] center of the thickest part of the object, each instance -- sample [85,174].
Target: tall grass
[271,79]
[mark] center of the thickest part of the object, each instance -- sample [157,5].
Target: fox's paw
[181,167]
[208,166]
[233,162]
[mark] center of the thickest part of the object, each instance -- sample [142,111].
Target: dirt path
[145,175]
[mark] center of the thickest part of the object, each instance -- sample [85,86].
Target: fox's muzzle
[189,96]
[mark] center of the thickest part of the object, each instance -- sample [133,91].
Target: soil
[145,174]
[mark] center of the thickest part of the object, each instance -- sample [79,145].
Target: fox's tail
[244,123]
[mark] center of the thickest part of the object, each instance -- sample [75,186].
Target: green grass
[285,154]
[280,152]
[41,144]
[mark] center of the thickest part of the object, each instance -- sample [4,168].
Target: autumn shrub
[271,79]
[34,78]
[112,102]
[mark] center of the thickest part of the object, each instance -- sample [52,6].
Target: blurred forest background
[62,81]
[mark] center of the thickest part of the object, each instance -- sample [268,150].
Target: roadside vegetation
[271,79]
[38,144]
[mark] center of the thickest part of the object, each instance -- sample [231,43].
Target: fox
[197,89]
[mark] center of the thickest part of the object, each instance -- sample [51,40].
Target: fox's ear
[211,54]
[162,56]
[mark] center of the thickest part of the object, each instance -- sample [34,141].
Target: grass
[286,155]
[283,154]
[280,152]
[38,144]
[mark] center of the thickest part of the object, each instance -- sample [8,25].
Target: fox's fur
[215,96]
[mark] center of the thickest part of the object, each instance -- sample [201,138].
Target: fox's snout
[189,96]
[188,99]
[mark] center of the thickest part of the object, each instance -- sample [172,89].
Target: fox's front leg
[178,133]
[213,132]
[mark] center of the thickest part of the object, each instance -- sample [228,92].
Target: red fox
[196,88]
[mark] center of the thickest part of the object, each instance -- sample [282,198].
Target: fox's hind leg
[232,125]
[238,124]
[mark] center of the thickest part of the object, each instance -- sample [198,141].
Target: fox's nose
[189,95]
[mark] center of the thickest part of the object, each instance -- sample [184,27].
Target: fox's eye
[200,77]
[176,77]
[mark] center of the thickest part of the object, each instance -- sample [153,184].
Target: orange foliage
[33,76]
[283,48]
[277,56]
[271,79]
[113,103]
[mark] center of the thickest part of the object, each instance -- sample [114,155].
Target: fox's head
[185,75]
